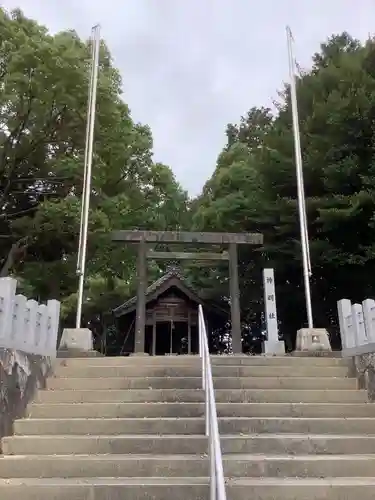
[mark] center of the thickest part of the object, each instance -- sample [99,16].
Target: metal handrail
[217,481]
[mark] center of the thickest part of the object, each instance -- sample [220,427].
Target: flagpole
[91,111]
[300,184]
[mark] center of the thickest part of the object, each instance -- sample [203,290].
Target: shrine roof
[172,278]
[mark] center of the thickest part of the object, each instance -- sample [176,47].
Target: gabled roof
[172,278]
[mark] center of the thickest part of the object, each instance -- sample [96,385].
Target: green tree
[254,187]
[44,82]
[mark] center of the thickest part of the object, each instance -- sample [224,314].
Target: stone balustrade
[26,325]
[28,342]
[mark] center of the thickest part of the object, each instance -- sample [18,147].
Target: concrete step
[215,360]
[75,466]
[107,383]
[85,426]
[158,361]
[274,444]
[127,466]
[187,489]
[183,410]
[286,360]
[183,370]
[65,395]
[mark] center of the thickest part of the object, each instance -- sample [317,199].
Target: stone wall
[363,367]
[21,375]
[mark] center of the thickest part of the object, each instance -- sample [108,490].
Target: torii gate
[183,237]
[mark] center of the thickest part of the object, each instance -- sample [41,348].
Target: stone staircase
[133,428]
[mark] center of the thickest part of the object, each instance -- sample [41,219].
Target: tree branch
[21,212]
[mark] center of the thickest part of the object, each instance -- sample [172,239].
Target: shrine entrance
[170,338]
[163,317]
[171,317]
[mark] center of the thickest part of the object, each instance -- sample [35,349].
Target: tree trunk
[17,251]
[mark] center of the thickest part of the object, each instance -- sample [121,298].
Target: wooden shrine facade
[171,320]
[183,303]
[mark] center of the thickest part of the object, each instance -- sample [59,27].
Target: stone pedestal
[312,340]
[274,347]
[76,342]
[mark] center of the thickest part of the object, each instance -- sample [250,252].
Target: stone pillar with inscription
[272,345]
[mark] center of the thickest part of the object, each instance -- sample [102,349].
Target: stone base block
[76,339]
[312,340]
[139,354]
[77,353]
[316,354]
[274,348]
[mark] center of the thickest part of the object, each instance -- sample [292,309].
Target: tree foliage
[254,187]
[43,105]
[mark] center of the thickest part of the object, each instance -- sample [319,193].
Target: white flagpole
[300,184]
[84,185]
[91,111]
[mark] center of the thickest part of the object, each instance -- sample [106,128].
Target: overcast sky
[191,66]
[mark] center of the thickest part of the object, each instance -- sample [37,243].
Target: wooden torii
[231,240]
